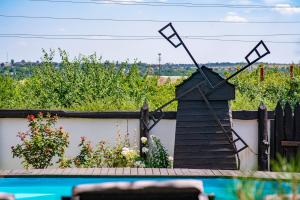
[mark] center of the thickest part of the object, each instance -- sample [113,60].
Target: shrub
[156,154]
[121,154]
[248,189]
[41,143]
[104,155]
[289,168]
[86,154]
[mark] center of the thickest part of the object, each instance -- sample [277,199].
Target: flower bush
[121,154]
[156,154]
[41,143]
[86,154]
[104,155]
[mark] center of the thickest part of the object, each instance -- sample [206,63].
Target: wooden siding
[199,142]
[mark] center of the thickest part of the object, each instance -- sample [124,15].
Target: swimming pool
[54,188]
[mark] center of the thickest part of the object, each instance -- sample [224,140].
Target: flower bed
[43,143]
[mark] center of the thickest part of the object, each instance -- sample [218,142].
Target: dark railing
[22,113]
[285,131]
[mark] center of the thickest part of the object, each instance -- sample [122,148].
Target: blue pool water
[54,188]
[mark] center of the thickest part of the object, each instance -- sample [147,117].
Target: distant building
[169,79]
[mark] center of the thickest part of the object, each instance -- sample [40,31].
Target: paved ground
[155,172]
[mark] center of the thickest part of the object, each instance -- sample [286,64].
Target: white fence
[96,129]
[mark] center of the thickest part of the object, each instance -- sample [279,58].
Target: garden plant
[42,143]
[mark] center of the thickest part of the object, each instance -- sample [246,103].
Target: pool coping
[145,172]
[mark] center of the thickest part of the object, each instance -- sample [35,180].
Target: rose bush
[41,143]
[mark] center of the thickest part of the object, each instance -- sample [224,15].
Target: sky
[204,51]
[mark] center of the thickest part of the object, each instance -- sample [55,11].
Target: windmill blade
[261,50]
[173,35]
[258,52]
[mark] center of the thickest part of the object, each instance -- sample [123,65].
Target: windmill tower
[199,140]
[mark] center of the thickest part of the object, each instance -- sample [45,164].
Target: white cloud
[124,1]
[234,17]
[286,9]
[272,2]
[128,1]
[241,2]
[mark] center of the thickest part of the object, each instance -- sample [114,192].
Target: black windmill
[204,137]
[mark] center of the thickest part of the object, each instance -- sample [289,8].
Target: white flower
[170,158]
[139,164]
[145,149]
[144,140]
[125,150]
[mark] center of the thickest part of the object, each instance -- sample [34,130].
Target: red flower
[30,117]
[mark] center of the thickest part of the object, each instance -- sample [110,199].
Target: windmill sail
[172,35]
[258,52]
[176,41]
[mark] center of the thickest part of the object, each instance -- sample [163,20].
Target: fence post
[297,122]
[292,71]
[263,143]
[261,72]
[144,124]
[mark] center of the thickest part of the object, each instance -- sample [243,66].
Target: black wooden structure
[285,131]
[199,141]
[263,140]
[204,137]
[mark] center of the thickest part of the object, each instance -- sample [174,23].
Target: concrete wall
[107,129]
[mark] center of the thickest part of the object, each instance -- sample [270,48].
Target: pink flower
[22,136]
[82,138]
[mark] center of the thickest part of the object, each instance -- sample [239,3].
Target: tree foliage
[87,83]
